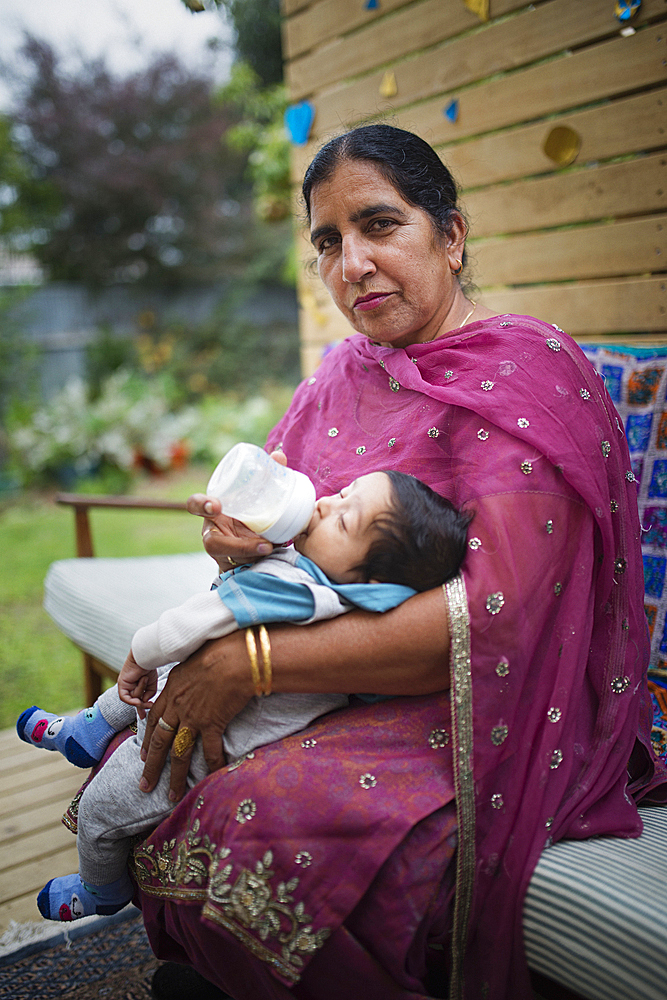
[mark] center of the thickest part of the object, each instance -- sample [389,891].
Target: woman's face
[380,259]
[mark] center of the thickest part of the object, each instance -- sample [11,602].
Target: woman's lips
[371,301]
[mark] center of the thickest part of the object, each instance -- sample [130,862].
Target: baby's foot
[68,898]
[82,739]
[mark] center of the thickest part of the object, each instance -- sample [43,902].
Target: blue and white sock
[82,739]
[68,898]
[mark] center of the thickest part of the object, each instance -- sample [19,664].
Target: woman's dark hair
[421,542]
[405,160]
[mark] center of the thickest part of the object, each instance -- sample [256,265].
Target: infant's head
[386,527]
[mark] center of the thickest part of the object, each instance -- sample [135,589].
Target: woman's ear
[456,238]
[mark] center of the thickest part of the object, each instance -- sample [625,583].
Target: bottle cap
[296,515]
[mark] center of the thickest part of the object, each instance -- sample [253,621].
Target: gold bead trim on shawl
[462,739]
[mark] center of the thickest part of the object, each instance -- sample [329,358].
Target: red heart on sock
[39,729]
[64,913]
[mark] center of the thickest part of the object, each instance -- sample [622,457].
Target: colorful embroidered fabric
[637,383]
[638,387]
[350,828]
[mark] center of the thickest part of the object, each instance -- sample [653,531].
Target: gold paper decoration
[388,87]
[562,145]
[308,302]
[479,7]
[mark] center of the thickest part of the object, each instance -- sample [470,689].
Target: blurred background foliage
[155,181]
[151,177]
[139,188]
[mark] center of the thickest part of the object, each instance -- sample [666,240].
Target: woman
[387,849]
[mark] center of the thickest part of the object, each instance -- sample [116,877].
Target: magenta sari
[364,856]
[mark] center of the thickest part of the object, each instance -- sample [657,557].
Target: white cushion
[595,916]
[100,603]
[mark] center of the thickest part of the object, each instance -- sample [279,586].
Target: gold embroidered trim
[462,726]
[70,819]
[175,867]
[248,905]
[251,943]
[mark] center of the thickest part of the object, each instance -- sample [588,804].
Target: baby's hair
[420,542]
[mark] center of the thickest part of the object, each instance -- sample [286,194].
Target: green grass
[38,665]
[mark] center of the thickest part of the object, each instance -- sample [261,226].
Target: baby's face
[340,531]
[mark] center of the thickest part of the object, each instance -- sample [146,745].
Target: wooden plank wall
[583,246]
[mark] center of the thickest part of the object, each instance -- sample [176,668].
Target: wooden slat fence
[583,245]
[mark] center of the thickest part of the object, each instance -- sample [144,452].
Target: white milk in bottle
[270,499]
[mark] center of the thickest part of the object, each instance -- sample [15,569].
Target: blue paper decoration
[625,10]
[372,4]
[298,119]
[452,110]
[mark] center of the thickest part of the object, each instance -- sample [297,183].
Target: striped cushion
[100,603]
[595,916]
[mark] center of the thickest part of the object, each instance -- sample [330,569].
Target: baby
[376,543]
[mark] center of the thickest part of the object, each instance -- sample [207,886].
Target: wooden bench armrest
[81,503]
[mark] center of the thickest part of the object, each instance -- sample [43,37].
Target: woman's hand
[202,695]
[137,686]
[227,540]
[404,651]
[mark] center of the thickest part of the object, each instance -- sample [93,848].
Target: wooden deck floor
[35,789]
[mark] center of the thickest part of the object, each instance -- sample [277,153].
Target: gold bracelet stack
[262,687]
[265,644]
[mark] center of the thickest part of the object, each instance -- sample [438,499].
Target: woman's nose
[357,264]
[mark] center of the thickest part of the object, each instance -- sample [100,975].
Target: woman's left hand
[201,696]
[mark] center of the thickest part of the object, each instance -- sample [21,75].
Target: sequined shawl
[549,644]
[548,655]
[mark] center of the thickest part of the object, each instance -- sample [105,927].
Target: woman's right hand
[227,540]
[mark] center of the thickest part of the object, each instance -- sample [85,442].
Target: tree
[258,42]
[142,186]
[260,134]
[256,26]
[37,200]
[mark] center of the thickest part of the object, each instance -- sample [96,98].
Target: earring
[459,267]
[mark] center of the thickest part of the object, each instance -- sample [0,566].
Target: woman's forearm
[401,652]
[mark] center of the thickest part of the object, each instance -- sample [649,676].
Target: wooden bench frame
[95,671]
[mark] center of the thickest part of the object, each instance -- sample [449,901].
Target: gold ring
[183,741]
[165,725]
[232,562]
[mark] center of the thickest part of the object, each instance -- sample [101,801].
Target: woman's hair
[406,161]
[420,542]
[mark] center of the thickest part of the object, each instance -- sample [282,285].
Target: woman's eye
[327,244]
[381,224]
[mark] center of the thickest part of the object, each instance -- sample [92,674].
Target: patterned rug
[113,963]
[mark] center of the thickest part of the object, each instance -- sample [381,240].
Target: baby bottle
[270,499]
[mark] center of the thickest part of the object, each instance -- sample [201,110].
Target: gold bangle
[251,646]
[265,644]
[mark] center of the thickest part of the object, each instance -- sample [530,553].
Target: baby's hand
[137,686]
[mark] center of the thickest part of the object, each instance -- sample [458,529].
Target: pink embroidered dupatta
[548,656]
[549,637]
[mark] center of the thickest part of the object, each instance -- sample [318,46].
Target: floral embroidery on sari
[246,903]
